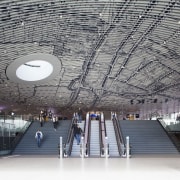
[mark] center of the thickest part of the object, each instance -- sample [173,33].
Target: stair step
[147,137]
[49,145]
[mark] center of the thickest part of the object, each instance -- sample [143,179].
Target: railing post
[60,147]
[127,146]
[106,147]
[82,147]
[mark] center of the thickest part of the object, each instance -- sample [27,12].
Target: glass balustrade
[11,127]
[170,125]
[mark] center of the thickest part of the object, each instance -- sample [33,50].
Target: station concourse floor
[52,168]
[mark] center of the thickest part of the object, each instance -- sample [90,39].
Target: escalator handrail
[87,134]
[119,137]
[88,137]
[101,129]
[70,138]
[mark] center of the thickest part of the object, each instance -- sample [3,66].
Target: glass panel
[170,125]
[11,128]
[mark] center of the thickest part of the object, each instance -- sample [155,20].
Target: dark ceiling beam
[139,41]
[164,88]
[149,30]
[138,70]
[157,80]
[171,53]
[90,58]
[160,56]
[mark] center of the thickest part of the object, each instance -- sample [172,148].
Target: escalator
[75,152]
[113,147]
[94,139]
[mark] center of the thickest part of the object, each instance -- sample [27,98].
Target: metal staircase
[49,145]
[147,137]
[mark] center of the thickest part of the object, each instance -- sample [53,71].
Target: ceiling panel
[111,52]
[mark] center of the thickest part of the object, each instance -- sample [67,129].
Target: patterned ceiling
[114,54]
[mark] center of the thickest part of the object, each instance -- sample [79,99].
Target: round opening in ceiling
[34,68]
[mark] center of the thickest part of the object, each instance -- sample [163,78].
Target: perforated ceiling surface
[113,53]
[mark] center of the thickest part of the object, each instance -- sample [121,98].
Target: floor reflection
[89,168]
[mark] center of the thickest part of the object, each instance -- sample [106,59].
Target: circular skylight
[34,68]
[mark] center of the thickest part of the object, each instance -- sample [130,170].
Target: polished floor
[52,168]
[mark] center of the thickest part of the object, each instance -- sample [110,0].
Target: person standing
[39,137]
[54,122]
[77,133]
[79,115]
[41,121]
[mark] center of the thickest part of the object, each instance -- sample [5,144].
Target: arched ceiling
[113,53]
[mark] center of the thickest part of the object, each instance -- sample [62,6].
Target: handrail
[88,134]
[104,136]
[69,142]
[101,129]
[69,133]
[105,131]
[119,137]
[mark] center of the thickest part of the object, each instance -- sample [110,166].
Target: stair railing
[104,138]
[87,134]
[170,133]
[69,143]
[20,135]
[101,134]
[119,137]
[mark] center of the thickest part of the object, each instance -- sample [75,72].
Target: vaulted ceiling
[113,53]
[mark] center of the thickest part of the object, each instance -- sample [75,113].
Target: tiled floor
[52,168]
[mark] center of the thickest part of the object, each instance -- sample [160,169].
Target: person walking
[39,137]
[77,133]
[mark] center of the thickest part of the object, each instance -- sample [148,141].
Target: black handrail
[119,137]
[105,132]
[101,129]
[105,129]
[86,135]
[87,143]
[67,147]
